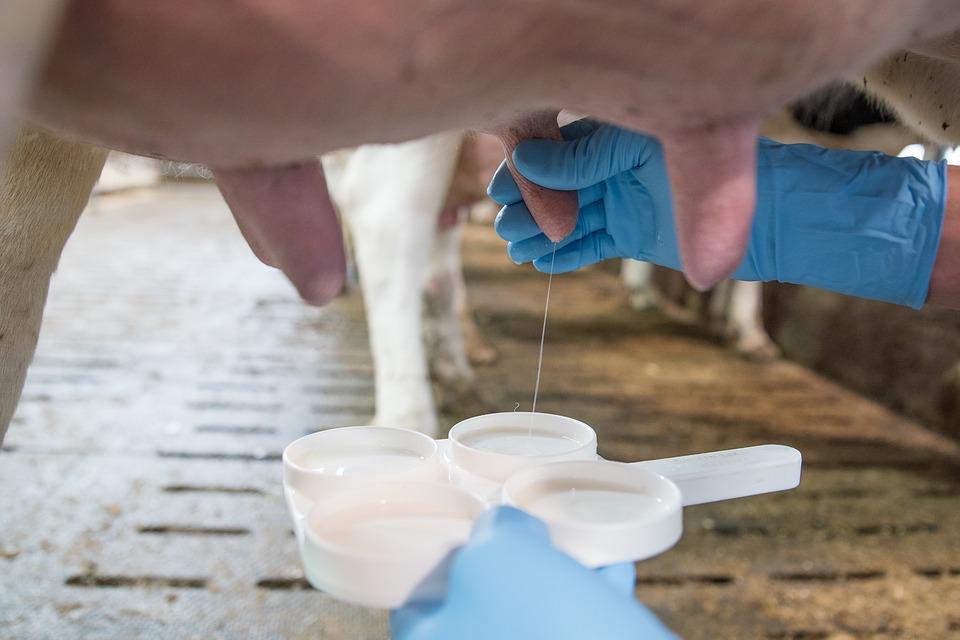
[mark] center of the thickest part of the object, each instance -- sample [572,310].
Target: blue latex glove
[859,223]
[509,582]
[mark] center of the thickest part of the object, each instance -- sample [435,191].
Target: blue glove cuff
[863,224]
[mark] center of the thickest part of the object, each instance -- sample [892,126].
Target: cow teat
[713,177]
[286,215]
[554,211]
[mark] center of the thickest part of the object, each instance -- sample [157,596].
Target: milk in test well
[375,545]
[359,461]
[495,445]
[367,451]
[592,501]
[378,510]
[520,441]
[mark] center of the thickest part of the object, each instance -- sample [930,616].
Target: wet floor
[141,475]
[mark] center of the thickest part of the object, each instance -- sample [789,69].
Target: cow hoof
[642,300]
[758,349]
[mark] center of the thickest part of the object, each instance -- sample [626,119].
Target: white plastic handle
[734,473]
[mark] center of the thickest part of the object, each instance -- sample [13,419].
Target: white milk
[396,534]
[595,503]
[359,460]
[520,441]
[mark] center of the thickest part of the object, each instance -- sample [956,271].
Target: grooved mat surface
[141,476]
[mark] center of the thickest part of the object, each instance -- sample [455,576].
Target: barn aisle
[141,475]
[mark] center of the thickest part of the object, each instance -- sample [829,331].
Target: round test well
[349,457]
[600,512]
[373,546]
[496,445]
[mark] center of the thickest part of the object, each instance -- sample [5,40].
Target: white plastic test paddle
[735,473]
[377,510]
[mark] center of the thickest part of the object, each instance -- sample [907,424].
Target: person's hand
[860,223]
[624,196]
[509,582]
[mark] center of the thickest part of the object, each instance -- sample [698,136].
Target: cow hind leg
[637,277]
[390,278]
[390,197]
[447,324]
[46,186]
[745,321]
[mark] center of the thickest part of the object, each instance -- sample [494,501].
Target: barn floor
[141,475]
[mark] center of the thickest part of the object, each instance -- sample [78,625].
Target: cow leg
[447,321]
[46,187]
[637,277]
[480,156]
[391,197]
[745,321]
[480,351]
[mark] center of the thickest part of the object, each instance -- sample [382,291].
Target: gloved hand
[509,582]
[859,223]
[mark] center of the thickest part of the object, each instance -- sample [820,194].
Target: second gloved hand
[859,223]
[510,583]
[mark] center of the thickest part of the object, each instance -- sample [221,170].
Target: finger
[583,162]
[588,250]
[503,188]
[515,223]
[530,249]
[591,194]
[591,220]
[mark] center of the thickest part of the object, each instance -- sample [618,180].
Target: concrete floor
[141,476]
